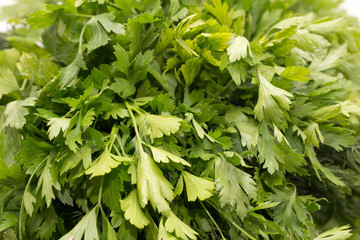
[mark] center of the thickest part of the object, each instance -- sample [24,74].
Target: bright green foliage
[179,119]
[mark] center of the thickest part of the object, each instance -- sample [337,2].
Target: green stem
[113,135]
[84,15]
[100,191]
[121,146]
[129,108]
[213,220]
[117,150]
[242,230]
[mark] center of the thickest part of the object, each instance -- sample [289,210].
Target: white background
[351,6]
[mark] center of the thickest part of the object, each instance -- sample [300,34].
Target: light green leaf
[133,211]
[15,112]
[156,126]
[163,234]
[105,163]
[309,41]
[28,201]
[201,132]
[87,227]
[151,183]
[325,61]
[179,186]
[313,135]
[337,233]
[197,187]
[246,126]
[160,155]
[57,125]
[88,118]
[174,225]
[39,70]
[238,49]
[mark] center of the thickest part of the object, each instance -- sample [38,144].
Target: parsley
[179,119]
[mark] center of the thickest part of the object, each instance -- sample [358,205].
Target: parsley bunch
[179,119]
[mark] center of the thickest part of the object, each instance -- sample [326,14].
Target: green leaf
[70,71]
[87,227]
[158,126]
[132,210]
[41,71]
[122,62]
[296,73]
[47,184]
[266,107]
[71,160]
[234,186]
[107,21]
[237,71]
[73,138]
[190,70]
[318,167]
[15,112]
[105,163]
[123,87]
[42,18]
[8,82]
[117,110]
[197,187]
[291,211]
[269,151]
[220,11]
[174,225]
[95,34]
[28,201]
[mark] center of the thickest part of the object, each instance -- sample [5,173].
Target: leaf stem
[242,230]
[121,146]
[100,191]
[129,108]
[83,15]
[213,220]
